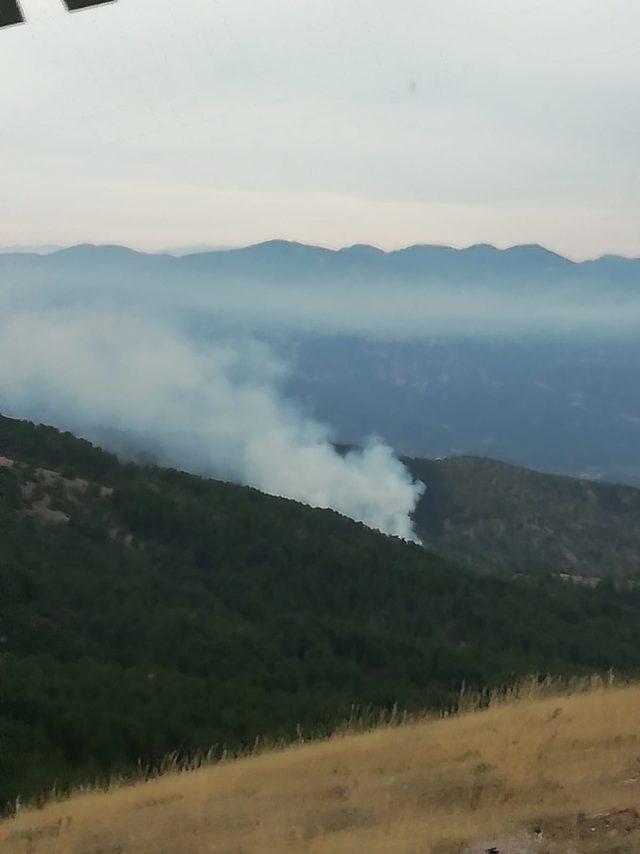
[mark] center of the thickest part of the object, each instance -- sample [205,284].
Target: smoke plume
[209,407]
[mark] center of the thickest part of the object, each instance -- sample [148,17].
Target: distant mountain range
[284,260]
[368,354]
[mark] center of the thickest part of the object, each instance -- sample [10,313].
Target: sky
[226,122]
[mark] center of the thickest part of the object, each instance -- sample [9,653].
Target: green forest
[501,518]
[145,612]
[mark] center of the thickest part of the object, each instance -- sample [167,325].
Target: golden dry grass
[442,786]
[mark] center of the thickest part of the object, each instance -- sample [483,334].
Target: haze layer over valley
[229,362]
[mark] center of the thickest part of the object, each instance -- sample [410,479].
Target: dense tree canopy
[172,613]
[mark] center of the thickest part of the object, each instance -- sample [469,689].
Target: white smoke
[211,408]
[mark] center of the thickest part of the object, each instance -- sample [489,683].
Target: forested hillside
[145,611]
[497,517]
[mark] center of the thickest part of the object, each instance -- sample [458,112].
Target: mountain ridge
[532,249]
[493,516]
[528,270]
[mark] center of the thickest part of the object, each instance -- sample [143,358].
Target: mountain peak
[88,250]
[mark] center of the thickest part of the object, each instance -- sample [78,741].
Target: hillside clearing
[544,774]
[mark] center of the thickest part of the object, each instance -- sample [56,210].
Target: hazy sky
[157,123]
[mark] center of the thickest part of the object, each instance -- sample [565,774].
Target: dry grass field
[535,774]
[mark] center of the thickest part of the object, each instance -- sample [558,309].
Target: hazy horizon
[453,124]
[161,126]
[187,249]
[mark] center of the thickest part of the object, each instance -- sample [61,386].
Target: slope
[146,611]
[494,516]
[550,775]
